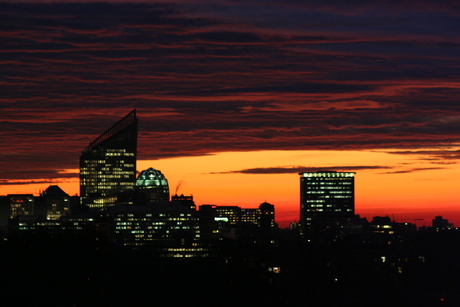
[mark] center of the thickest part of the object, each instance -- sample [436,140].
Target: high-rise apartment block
[108,164]
[326,197]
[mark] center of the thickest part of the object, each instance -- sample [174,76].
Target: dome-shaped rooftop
[152,186]
[151,178]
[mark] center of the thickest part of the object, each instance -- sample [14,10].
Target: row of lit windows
[134,219]
[335,210]
[105,182]
[329,174]
[328,180]
[319,197]
[93,165]
[149,214]
[182,249]
[382,226]
[139,230]
[115,172]
[128,223]
[330,183]
[118,154]
[328,188]
[109,175]
[93,162]
[21,205]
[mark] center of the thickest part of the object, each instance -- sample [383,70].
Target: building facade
[171,228]
[55,201]
[108,164]
[326,198]
[235,222]
[21,204]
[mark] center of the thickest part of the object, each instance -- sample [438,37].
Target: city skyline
[235,99]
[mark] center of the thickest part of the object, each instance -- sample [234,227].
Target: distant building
[184,200]
[326,199]
[55,201]
[32,225]
[4,213]
[228,214]
[267,215]
[384,231]
[383,228]
[108,164]
[21,204]
[234,222]
[170,228]
[439,223]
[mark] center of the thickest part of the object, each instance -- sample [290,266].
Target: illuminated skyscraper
[326,198]
[108,164]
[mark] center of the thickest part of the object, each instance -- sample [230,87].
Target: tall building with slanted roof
[108,164]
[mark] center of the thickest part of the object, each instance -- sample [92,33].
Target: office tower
[108,164]
[326,198]
[152,186]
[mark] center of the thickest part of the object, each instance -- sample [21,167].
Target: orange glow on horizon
[403,186]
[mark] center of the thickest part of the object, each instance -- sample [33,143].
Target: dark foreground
[69,273]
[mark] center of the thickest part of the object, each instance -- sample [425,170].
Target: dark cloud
[46,171]
[233,75]
[8,182]
[229,37]
[415,170]
[437,156]
[300,169]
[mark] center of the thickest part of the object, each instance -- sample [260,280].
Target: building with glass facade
[326,198]
[108,164]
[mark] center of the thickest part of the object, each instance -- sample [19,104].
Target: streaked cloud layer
[222,76]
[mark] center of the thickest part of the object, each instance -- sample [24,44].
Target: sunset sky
[235,98]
